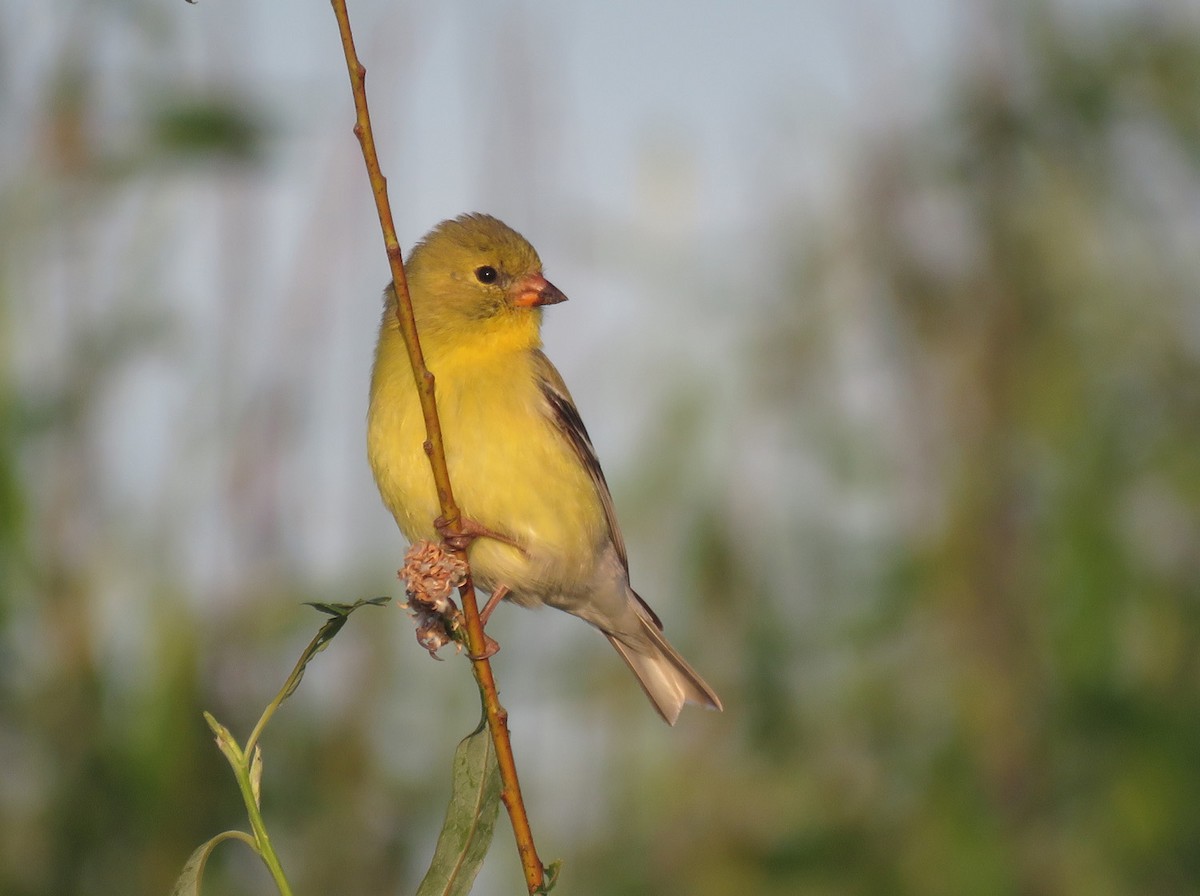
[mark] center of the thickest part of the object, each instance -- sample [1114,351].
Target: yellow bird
[524,472]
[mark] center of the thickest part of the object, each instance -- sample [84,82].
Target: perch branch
[497,716]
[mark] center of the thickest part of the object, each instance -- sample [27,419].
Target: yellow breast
[510,468]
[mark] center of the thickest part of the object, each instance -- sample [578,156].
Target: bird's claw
[490,648]
[458,540]
[430,575]
[462,536]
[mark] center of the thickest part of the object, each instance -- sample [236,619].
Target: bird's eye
[486,274]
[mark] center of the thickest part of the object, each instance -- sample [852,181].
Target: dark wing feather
[566,418]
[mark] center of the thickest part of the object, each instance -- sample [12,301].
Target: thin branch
[497,716]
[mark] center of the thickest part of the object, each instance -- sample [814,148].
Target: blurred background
[885,320]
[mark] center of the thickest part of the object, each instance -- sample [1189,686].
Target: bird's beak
[534,291]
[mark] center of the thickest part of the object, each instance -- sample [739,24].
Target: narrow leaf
[188,883]
[347,609]
[552,871]
[225,742]
[256,770]
[470,818]
[340,613]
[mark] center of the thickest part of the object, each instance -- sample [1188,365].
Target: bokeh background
[885,320]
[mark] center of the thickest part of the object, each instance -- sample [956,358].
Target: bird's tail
[664,675]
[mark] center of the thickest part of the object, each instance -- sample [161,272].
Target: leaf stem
[241,761]
[261,839]
[497,717]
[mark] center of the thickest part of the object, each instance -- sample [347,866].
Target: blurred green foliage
[992,691]
[222,128]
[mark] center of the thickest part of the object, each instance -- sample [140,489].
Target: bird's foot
[468,531]
[430,574]
[490,645]
[490,648]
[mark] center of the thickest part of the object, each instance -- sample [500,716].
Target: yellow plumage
[519,458]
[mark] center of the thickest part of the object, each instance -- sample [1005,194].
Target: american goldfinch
[523,469]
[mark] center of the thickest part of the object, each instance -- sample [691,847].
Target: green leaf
[340,613]
[347,609]
[225,742]
[470,818]
[188,883]
[552,871]
[256,769]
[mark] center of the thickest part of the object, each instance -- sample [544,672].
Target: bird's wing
[567,421]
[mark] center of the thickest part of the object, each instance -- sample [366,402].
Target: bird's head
[473,271]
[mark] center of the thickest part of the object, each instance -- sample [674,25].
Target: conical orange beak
[534,291]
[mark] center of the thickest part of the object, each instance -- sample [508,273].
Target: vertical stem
[496,715]
[261,839]
[242,761]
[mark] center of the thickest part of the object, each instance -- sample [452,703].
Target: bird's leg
[490,645]
[460,541]
[501,592]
